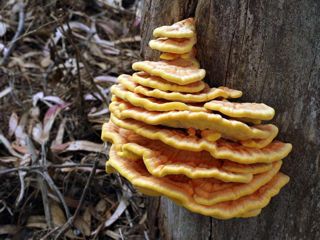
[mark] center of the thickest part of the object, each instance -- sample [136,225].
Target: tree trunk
[271,51]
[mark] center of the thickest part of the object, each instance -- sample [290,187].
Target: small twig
[79,57]
[11,45]
[71,220]
[41,168]
[42,184]
[22,188]
[80,88]
[45,237]
[54,188]
[35,30]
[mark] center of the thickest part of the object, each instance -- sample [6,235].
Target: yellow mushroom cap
[173,56]
[176,74]
[205,95]
[181,190]
[181,29]
[248,110]
[171,45]
[161,159]
[261,143]
[152,104]
[209,194]
[253,168]
[155,82]
[187,119]
[221,149]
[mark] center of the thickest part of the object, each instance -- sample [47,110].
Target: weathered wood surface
[271,51]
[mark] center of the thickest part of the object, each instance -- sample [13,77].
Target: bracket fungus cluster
[175,136]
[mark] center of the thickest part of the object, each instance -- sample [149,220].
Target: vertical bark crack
[229,58]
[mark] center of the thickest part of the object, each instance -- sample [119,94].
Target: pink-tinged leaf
[49,119]
[13,123]
[20,129]
[59,138]
[54,99]
[19,148]
[4,141]
[36,97]
[79,145]
[58,148]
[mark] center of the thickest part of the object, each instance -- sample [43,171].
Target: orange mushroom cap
[210,194]
[203,96]
[186,119]
[261,143]
[155,82]
[221,149]
[181,29]
[161,159]
[173,56]
[152,104]
[173,45]
[176,74]
[182,191]
[248,110]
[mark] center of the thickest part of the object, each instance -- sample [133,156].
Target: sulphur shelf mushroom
[174,136]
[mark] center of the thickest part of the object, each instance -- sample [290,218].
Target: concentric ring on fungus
[181,191]
[178,46]
[258,111]
[152,104]
[205,95]
[176,74]
[161,159]
[186,119]
[155,82]
[173,56]
[181,29]
[220,149]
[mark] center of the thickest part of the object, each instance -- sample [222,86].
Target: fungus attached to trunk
[174,136]
[202,96]
[154,82]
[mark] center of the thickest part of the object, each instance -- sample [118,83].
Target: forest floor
[58,60]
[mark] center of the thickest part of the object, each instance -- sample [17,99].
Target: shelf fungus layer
[173,56]
[176,74]
[161,159]
[147,80]
[187,119]
[258,111]
[205,95]
[178,45]
[181,190]
[181,29]
[220,148]
[152,104]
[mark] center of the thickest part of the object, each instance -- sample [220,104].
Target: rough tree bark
[271,51]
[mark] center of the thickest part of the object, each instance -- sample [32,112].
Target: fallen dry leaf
[79,145]
[13,123]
